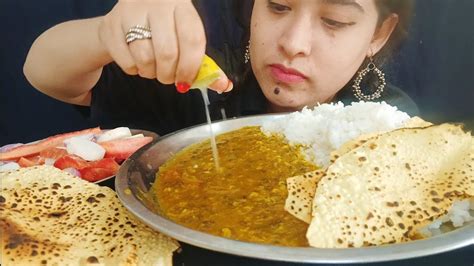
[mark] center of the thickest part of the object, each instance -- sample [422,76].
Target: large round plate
[137,174]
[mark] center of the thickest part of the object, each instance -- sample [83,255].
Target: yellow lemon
[208,73]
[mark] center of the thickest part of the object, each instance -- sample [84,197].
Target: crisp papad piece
[300,194]
[414,122]
[301,188]
[49,217]
[392,185]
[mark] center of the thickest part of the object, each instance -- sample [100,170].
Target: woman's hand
[175,51]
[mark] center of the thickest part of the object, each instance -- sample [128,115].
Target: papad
[301,193]
[392,185]
[49,217]
[301,188]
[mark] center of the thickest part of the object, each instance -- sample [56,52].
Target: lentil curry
[245,198]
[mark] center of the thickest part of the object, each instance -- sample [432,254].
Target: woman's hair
[404,9]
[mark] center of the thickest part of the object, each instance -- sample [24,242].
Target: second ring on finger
[142,52]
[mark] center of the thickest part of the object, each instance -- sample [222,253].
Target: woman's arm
[66,61]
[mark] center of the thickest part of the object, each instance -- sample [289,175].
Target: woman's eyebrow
[352,3]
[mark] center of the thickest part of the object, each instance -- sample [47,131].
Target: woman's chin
[286,105]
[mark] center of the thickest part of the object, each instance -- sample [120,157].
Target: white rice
[325,128]
[460,213]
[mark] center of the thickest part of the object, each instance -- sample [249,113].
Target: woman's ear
[382,34]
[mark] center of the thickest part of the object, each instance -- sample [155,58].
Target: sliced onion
[89,137]
[116,133]
[86,149]
[136,136]
[10,147]
[9,166]
[72,171]
[49,161]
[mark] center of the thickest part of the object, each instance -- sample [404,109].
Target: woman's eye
[277,8]
[336,24]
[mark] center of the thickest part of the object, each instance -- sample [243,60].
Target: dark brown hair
[404,10]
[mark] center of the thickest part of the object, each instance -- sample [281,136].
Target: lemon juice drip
[215,153]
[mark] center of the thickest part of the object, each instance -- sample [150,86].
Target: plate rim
[461,237]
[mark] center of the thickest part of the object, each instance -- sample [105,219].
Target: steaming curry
[245,198]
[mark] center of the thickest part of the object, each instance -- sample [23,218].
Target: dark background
[435,67]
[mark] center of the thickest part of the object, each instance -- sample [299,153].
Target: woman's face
[304,51]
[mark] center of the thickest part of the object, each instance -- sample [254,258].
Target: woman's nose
[296,40]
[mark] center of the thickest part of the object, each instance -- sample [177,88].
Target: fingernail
[230,86]
[182,87]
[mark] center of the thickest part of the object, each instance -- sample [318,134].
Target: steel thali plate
[137,174]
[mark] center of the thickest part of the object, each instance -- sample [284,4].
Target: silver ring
[138,32]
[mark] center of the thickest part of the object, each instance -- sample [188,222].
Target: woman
[301,53]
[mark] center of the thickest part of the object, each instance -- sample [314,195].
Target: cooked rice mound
[326,127]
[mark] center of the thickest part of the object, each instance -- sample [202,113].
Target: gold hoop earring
[356,86]
[247,53]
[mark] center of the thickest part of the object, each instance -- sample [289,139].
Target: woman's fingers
[223,84]
[191,42]
[142,52]
[175,50]
[165,44]
[111,34]
[140,49]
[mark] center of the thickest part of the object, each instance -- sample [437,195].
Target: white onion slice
[49,161]
[10,147]
[9,166]
[86,149]
[84,137]
[136,136]
[72,171]
[116,133]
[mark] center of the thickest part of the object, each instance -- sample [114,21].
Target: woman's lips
[286,75]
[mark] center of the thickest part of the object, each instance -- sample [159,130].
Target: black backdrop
[435,66]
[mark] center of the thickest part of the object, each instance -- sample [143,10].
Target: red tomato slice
[24,162]
[108,163]
[53,153]
[53,141]
[30,161]
[91,171]
[93,174]
[121,149]
[68,161]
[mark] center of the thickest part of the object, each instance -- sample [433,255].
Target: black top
[122,100]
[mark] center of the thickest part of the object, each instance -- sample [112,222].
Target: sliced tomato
[108,163]
[53,153]
[91,171]
[68,161]
[37,147]
[30,161]
[24,162]
[121,149]
[93,174]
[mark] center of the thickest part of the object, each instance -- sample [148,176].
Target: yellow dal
[245,199]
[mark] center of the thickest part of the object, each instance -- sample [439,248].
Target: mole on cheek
[276,90]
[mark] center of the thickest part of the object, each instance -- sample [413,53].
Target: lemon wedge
[208,73]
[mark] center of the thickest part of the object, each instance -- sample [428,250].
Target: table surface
[194,256]
[189,255]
